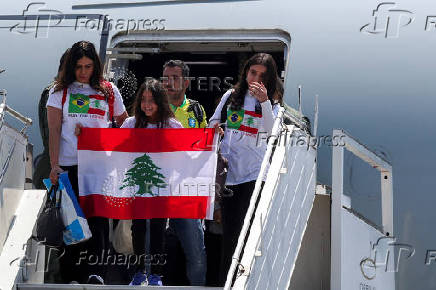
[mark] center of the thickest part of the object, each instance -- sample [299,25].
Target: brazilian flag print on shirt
[83,104]
[234,119]
[78,103]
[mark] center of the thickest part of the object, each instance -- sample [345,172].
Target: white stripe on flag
[186,173]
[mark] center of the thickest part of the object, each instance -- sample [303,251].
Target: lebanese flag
[147,173]
[97,105]
[250,123]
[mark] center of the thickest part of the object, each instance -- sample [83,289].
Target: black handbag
[49,225]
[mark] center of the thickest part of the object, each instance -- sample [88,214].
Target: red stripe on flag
[145,140]
[253,114]
[96,111]
[248,129]
[189,207]
[98,97]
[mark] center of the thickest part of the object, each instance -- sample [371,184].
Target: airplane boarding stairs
[284,243]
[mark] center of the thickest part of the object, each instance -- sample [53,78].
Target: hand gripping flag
[147,173]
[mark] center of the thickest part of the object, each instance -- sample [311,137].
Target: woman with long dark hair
[151,110]
[247,113]
[81,98]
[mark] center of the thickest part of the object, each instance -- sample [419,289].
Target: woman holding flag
[79,98]
[246,111]
[151,110]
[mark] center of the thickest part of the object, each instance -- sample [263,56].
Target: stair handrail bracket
[340,201]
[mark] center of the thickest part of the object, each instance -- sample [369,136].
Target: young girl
[151,110]
[247,111]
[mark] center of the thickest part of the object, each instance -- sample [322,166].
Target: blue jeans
[191,236]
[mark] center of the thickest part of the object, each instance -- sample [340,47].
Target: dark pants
[156,256]
[233,210]
[87,258]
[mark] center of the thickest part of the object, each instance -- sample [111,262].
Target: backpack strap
[258,108]
[196,108]
[224,111]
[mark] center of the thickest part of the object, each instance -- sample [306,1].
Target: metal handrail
[295,117]
[254,196]
[7,109]
[25,120]
[7,162]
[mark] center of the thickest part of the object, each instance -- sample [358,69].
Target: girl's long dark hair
[164,112]
[269,79]
[67,73]
[278,97]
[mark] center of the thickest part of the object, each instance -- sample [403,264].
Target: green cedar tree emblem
[96,104]
[250,121]
[144,174]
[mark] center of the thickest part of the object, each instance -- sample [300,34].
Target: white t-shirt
[83,105]
[130,123]
[244,143]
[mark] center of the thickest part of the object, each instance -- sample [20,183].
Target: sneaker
[154,280]
[139,279]
[95,279]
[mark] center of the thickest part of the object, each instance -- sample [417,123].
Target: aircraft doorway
[214,66]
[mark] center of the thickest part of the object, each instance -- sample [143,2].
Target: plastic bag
[122,239]
[76,226]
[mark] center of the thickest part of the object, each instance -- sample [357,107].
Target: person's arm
[129,123]
[267,116]
[120,119]
[54,117]
[173,123]
[216,117]
[120,113]
[259,91]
